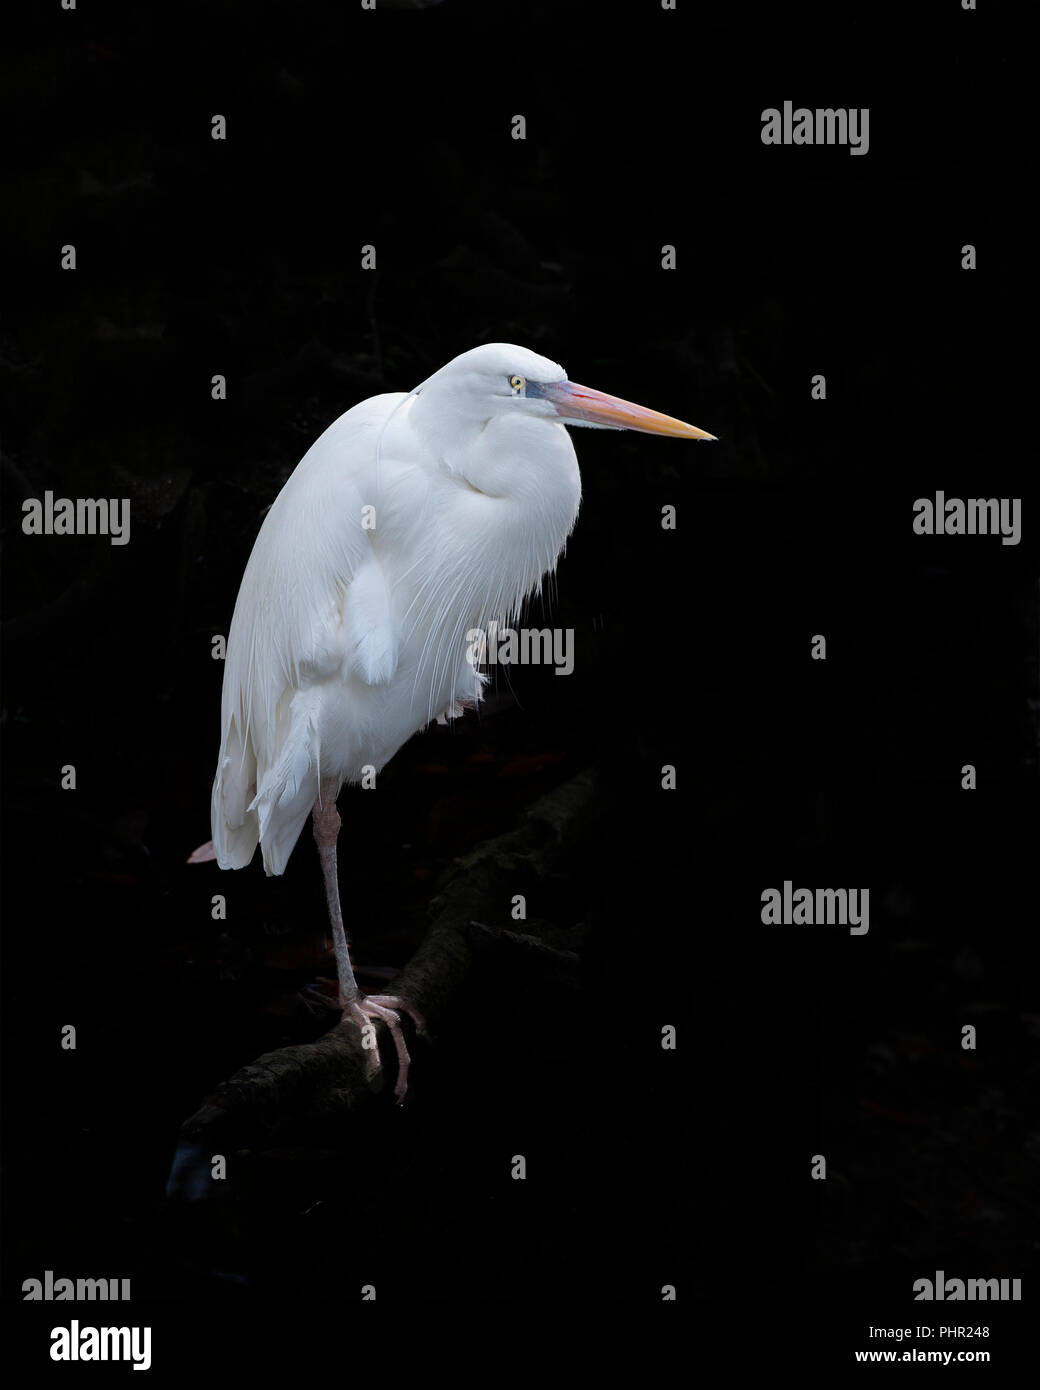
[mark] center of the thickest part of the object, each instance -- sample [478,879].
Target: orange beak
[587,407]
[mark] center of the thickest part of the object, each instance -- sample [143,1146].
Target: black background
[242,257]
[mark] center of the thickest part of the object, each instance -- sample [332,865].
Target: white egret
[414,519]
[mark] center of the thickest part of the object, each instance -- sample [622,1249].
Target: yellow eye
[517,383]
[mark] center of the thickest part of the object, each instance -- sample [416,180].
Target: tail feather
[288,789]
[234,842]
[236,829]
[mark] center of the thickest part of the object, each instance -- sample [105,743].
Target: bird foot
[364,1010]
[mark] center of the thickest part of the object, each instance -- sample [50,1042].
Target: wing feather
[312,604]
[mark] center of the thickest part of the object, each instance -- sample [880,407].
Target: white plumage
[349,630]
[413,520]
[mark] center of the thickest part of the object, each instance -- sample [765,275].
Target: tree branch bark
[283,1090]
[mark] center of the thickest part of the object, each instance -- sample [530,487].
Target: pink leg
[362,1009]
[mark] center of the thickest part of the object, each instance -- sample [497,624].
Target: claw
[365,1009]
[394,1001]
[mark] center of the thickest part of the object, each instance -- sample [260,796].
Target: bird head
[493,421]
[491,425]
[504,380]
